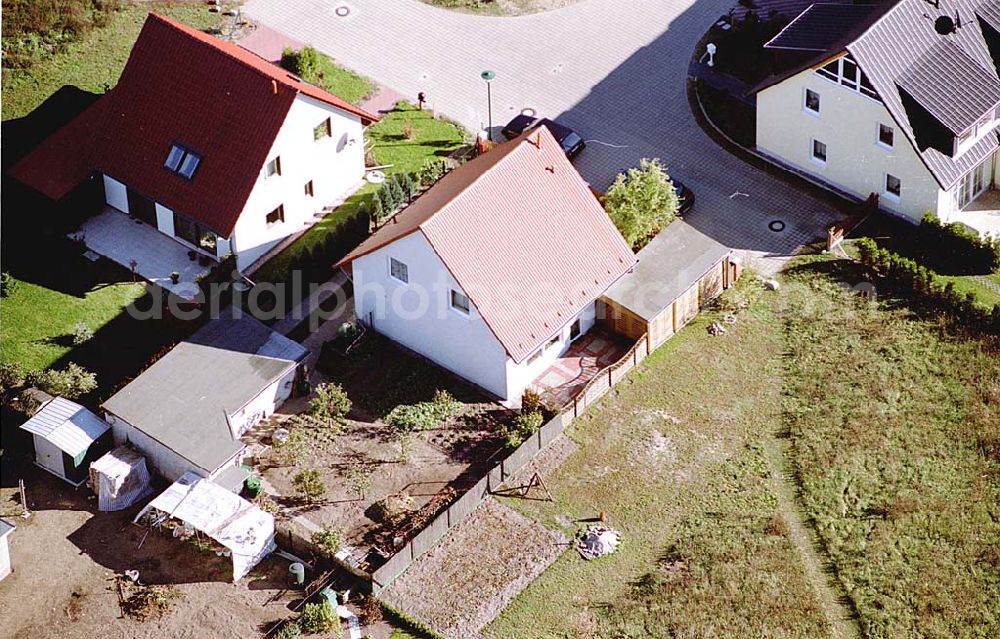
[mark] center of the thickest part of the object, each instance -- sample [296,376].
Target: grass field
[96,60]
[431,138]
[887,424]
[676,457]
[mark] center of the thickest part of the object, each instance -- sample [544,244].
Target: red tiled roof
[186,87]
[522,234]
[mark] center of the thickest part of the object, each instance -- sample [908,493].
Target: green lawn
[95,61]
[319,69]
[895,429]
[890,428]
[676,458]
[37,321]
[431,138]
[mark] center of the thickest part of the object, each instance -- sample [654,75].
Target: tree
[396,190]
[330,403]
[358,477]
[309,483]
[641,202]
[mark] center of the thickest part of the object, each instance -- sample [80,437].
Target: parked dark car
[568,139]
[685,197]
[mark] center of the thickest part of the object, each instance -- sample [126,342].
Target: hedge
[910,278]
[956,247]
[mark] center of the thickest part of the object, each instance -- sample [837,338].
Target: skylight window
[182,161]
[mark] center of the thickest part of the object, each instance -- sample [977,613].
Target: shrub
[11,376]
[309,483]
[329,539]
[81,333]
[534,402]
[7,284]
[358,477]
[71,382]
[431,171]
[414,417]
[396,191]
[304,63]
[330,403]
[377,213]
[641,202]
[521,428]
[369,610]
[290,630]
[956,247]
[408,186]
[293,450]
[384,195]
[318,617]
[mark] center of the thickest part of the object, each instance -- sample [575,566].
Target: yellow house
[899,99]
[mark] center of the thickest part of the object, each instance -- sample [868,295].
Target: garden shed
[67,437]
[5,529]
[193,505]
[679,271]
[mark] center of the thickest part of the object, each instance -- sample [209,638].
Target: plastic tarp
[243,528]
[120,478]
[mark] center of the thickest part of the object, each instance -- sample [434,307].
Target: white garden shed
[67,437]
[193,504]
[119,479]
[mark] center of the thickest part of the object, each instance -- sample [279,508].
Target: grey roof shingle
[901,42]
[821,26]
[669,265]
[989,12]
[183,400]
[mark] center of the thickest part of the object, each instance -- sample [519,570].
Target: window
[534,357]
[309,188]
[819,151]
[885,135]
[893,186]
[812,101]
[322,130]
[845,72]
[274,167]
[574,329]
[182,161]
[552,342]
[277,215]
[398,270]
[459,302]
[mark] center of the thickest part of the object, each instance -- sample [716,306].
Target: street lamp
[488,76]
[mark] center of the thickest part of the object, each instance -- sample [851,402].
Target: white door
[974,183]
[49,456]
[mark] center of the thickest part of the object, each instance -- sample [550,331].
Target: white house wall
[5,568]
[49,456]
[263,405]
[848,123]
[159,457]
[115,194]
[520,376]
[334,164]
[463,344]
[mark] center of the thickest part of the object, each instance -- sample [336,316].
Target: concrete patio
[122,239]
[982,214]
[583,361]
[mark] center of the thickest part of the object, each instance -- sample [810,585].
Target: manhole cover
[776,225]
[342,11]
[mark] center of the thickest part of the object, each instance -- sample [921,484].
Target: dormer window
[182,161]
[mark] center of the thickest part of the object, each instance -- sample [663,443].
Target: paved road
[615,70]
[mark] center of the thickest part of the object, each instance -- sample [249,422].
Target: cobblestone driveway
[615,70]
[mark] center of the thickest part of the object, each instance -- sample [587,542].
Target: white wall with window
[405,292]
[860,142]
[316,158]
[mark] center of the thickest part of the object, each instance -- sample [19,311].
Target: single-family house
[67,438]
[6,528]
[900,99]
[215,148]
[188,410]
[495,269]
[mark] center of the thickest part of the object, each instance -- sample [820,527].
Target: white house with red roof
[496,269]
[207,143]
